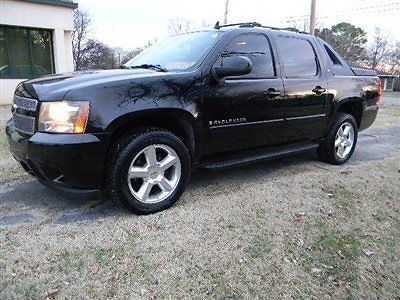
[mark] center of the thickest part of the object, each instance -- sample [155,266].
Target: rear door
[245,111]
[305,85]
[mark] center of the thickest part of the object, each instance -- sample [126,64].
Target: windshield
[177,53]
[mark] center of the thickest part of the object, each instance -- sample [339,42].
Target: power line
[389,6]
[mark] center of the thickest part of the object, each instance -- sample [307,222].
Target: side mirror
[233,66]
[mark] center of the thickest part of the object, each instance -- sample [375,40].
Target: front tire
[148,170]
[341,140]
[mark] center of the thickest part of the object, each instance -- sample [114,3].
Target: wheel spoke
[138,172]
[346,130]
[340,151]
[150,155]
[144,191]
[168,162]
[348,143]
[337,142]
[165,184]
[340,132]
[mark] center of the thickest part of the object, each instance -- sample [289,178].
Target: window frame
[317,60]
[273,57]
[29,29]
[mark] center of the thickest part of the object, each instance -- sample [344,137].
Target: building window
[25,53]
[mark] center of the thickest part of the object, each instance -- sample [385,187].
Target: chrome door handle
[272,93]
[319,90]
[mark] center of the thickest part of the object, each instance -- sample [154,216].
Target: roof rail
[256,24]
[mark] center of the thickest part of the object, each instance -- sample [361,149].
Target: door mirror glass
[233,66]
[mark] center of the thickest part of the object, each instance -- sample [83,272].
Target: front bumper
[72,164]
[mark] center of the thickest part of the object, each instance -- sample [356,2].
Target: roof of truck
[228,27]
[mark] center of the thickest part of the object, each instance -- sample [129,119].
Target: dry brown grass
[10,170]
[294,228]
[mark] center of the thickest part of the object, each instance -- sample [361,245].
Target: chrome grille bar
[25,103]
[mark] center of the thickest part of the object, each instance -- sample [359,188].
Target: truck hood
[55,87]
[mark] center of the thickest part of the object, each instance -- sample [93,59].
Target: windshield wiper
[148,66]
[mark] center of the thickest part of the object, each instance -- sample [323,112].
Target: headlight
[63,116]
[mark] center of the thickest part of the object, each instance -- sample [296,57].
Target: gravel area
[291,228]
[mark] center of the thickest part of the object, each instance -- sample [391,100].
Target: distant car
[20,71]
[210,99]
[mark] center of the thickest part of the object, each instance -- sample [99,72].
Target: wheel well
[353,108]
[182,129]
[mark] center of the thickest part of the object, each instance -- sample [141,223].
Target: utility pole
[226,12]
[312,16]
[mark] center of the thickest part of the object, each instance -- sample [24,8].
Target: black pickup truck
[211,99]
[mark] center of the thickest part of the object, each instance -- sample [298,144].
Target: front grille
[25,103]
[24,112]
[24,123]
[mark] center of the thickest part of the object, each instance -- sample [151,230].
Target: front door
[305,89]
[245,111]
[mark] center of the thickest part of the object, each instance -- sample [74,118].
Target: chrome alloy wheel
[154,173]
[344,140]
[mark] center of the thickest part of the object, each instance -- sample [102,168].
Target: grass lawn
[290,229]
[11,172]
[391,94]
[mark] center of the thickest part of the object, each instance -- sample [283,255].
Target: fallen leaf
[340,254]
[345,172]
[328,267]
[52,292]
[316,270]
[368,252]
[298,217]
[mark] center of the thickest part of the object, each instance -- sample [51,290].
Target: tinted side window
[298,57]
[257,49]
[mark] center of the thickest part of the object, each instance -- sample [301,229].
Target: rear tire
[341,140]
[147,170]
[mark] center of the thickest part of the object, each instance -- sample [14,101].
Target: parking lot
[290,228]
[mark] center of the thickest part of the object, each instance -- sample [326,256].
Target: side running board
[253,156]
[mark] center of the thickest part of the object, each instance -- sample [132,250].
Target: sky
[132,23]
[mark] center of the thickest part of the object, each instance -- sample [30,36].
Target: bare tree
[82,23]
[179,25]
[379,49]
[392,59]
[98,56]
[125,56]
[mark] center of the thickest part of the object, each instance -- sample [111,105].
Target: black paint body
[211,117]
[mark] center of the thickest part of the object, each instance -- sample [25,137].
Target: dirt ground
[291,228]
